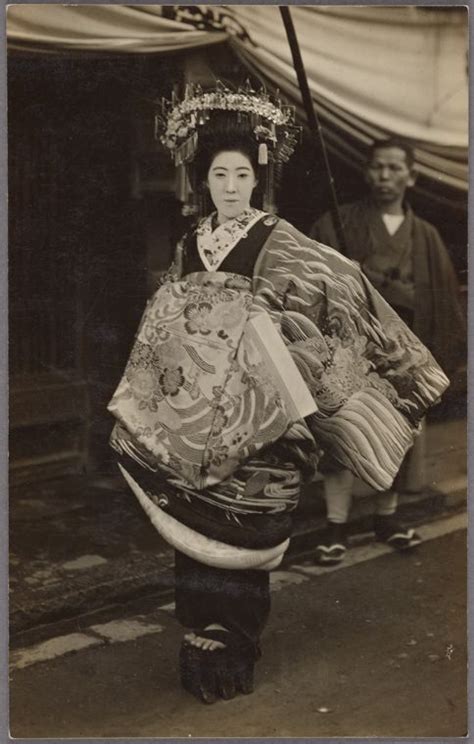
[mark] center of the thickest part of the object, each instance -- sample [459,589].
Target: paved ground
[373,649]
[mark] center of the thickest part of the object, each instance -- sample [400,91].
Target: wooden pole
[313,120]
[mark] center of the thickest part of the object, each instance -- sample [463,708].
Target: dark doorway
[77,247]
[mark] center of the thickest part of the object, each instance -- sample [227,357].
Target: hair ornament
[262,154]
[273,123]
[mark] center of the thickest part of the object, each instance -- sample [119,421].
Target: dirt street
[374,649]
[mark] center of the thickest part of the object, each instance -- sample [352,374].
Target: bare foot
[207,644]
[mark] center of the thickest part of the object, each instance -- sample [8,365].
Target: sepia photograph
[237,359]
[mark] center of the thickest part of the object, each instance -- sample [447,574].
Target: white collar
[214,245]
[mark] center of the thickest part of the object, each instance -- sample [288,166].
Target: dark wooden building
[87,189]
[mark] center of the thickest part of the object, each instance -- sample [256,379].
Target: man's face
[389,175]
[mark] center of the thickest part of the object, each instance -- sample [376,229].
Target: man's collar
[373,205]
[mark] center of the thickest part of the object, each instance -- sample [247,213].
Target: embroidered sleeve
[175,270]
[371,378]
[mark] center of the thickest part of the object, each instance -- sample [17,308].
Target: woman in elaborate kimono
[260,350]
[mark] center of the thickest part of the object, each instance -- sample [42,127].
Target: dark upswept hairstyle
[398,142]
[224,132]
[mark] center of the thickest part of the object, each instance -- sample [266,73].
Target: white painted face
[231,180]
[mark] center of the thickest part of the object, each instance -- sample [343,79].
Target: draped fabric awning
[372,71]
[138,29]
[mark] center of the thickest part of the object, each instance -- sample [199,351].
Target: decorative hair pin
[273,122]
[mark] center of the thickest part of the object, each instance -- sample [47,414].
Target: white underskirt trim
[201,548]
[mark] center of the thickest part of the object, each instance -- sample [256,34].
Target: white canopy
[372,70]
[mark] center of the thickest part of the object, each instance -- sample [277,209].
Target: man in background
[405,259]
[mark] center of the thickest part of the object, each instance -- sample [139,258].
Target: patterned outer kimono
[413,272]
[235,384]
[414,259]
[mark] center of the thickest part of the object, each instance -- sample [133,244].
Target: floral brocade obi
[220,360]
[196,394]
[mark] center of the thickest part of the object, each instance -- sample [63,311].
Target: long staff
[313,120]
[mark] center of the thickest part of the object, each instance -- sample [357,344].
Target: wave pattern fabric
[196,393]
[372,379]
[198,398]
